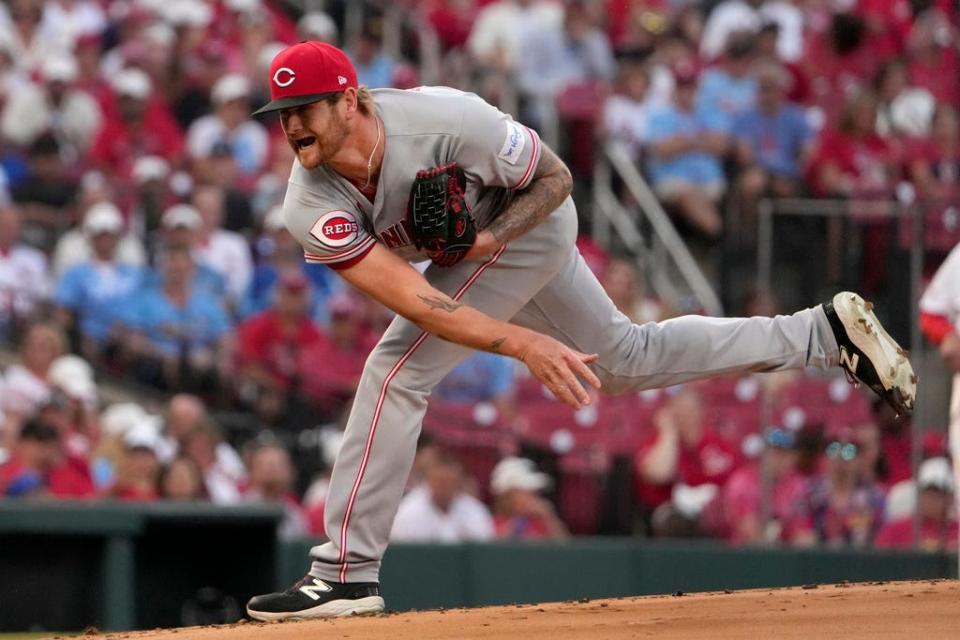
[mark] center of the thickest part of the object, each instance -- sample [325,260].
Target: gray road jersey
[423,128]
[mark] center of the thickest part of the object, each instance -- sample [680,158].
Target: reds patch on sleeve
[335,229]
[513,143]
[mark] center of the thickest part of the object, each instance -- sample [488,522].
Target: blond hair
[365,102]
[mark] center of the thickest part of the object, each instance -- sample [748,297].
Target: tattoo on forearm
[549,188]
[435,302]
[496,344]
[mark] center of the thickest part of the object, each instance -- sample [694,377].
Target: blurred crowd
[142,248]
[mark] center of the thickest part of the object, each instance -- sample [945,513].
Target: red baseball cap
[307,72]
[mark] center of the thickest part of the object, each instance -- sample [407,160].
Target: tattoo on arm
[436,302]
[550,186]
[496,344]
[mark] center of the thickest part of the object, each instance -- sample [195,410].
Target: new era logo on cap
[308,72]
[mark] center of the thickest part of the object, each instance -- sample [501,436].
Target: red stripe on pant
[376,417]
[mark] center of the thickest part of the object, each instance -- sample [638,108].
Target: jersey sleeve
[329,234]
[495,149]
[942,296]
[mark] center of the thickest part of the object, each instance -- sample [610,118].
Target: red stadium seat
[478,444]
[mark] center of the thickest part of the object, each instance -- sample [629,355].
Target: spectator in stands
[626,114]
[151,195]
[92,295]
[66,21]
[374,67]
[500,28]
[36,453]
[271,186]
[54,106]
[554,56]
[440,511]
[733,17]
[344,349]
[520,512]
[846,509]
[180,337]
[684,452]
[740,498]
[451,20]
[271,480]
[481,378]
[115,421]
[893,96]
[932,56]
[24,275]
[853,160]
[896,445]
[42,462]
[138,125]
[225,252]
[685,151]
[200,446]
[278,252]
[773,143]
[46,193]
[72,381]
[839,63]
[182,480]
[729,88]
[269,343]
[180,227]
[938,524]
[935,164]
[627,289]
[230,124]
[798,88]
[186,413]
[25,384]
[21,34]
[138,471]
[940,322]
[75,247]
[319,26]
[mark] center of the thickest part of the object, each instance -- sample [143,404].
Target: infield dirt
[916,610]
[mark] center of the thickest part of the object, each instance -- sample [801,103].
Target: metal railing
[662,254]
[864,211]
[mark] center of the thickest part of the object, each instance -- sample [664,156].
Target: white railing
[663,256]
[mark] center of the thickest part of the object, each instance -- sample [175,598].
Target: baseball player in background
[940,321]
[388,176]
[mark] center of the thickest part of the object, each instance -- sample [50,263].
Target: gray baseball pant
[539,281]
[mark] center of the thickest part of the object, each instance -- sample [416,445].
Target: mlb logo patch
[512,144]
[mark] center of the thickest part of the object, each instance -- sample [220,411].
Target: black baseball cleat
[869,354]
[315,598]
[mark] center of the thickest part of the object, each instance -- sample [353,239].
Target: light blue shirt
[480,378]
[97,293]
[195,326]
[726,96]
[696,167]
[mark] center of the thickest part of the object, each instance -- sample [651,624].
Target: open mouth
[303,143]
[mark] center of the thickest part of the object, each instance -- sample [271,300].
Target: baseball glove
[440,223]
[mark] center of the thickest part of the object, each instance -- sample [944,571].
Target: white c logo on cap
[291,76]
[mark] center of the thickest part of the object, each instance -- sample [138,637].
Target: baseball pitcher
[385,177]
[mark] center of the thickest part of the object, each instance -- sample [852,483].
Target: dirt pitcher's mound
[914,610]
